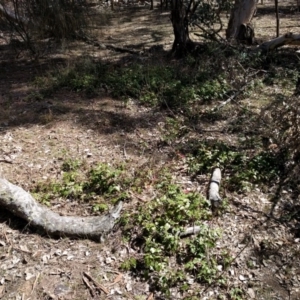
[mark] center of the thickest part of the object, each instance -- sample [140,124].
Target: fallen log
[23,205]
[213,191]
[287,39]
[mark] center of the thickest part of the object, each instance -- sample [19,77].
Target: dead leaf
[118,278]
[150,297]
[2,290]
[251,293]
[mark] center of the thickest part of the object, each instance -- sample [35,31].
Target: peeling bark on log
[214,185]
[287,39]
[23,205]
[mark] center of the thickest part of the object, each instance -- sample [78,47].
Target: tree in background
[239,26]
[31,19]
[204,15]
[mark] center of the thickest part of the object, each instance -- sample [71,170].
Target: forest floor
[38,135]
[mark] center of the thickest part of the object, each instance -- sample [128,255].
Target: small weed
[71,165]
[98,185]
[236,294]
[244,167]
[129,264]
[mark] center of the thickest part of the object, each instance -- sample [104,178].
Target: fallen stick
[213,191]
[89,286]
[190,231]
[98,285]
[232,97]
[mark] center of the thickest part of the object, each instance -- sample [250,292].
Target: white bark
[22,204]
[242,13]
[287,39]
[190,231]
[214,185]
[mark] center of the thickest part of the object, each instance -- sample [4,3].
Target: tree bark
[213,191]
[179,17]
[277,18]
[239,27]
[23,205]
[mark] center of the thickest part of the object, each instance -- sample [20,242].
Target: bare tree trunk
[277,18]
[179,17]
[23,205]
[239,27]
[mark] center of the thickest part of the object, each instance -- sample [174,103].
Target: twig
[233,260]
[150,297]
[137,197]
[98,285]
[117,279]
[237,93]
[22,250]
[8,161]
[35,282]
[230,98]
[89,286]
[124,151]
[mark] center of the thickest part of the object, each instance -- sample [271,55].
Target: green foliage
[129,264]
[236,294]
[171,86]
[167,259]
[103,180]
[71,165]
[98,185]
[213,89]
[244,167]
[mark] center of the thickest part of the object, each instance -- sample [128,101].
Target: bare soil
[37,135]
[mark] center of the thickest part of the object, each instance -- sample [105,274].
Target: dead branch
[190,231]
[97,285]
[287,39]
[23,205]
[89,286]
[213,191]
[96,43]
[232,97]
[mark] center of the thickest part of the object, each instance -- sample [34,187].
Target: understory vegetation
[258,152]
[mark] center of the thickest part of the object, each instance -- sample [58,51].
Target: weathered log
[213,191]
[287,39]
[23,205]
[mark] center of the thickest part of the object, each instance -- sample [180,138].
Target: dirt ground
[36,135]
